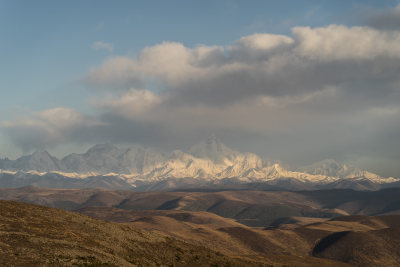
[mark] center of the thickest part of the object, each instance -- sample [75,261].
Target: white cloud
[58,118]
[102,46]
[263,41]
[170,62]
[337,42]
[132,104]
[47,128]
[257,62]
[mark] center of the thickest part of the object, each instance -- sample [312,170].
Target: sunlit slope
[35,236]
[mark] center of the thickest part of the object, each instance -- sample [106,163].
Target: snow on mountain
[40,161]
[137,159]
[100,158]
[106,158]
[277,171]
[330,167]
[208,161]
[214,150]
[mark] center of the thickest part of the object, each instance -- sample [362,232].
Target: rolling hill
[36,236]
[252,208]
[40,236]
[356,240]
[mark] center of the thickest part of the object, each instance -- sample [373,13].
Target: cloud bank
[47,128]
[322,92]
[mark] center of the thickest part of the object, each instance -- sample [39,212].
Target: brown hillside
[202,228]
[36,236]
[218,233]
[374,239]
[253,208]
[375,244]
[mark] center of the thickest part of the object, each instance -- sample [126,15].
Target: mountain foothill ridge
[208,161]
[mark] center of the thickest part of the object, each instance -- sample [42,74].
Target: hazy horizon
[297,82]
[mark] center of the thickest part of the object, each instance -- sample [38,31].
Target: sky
[295,81]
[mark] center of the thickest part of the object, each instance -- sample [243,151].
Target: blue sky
[47,52]
[46,45]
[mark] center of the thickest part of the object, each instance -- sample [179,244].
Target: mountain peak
[212,139]
[330,167]
[41,153]
[40,160]
[212,148]
[102,148]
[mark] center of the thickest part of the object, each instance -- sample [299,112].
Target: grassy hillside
[247,226]
[35,236]
[357,240]
[32,235]
[378,246]
[253,208]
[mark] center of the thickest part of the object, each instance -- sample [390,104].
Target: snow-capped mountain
[40,160]
[330,167]
[209,162]
[213,149]
[107,158]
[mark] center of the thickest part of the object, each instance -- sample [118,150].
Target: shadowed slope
[359,240]
[252,208]
[370,248]
[218,233]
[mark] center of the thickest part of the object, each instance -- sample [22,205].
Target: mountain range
[209,164]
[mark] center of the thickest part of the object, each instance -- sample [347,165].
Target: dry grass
[38,236]
[368,235]
[218,233]
[196,224]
